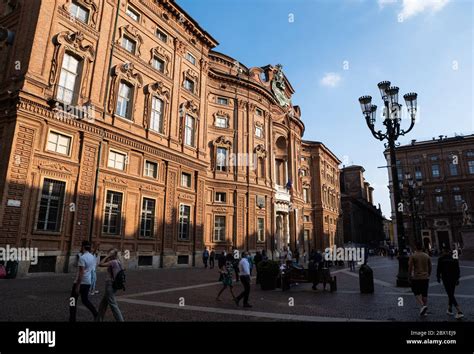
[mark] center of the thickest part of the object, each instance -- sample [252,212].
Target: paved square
[188,294]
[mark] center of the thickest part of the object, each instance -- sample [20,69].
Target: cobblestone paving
[156,295]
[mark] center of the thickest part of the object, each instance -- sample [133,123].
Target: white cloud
[330,79]
[414,7]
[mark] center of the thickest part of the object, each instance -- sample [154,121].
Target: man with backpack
[82,283]
[115,281]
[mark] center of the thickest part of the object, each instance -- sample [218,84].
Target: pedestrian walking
[249,259]
[235,264]
[297,257]
[256,260]
[113,268]
[212,257]
[205,257]
[419,272]
[264,256]
[82,283]
[244,269]
[226,272]
[93,290]
[448,271]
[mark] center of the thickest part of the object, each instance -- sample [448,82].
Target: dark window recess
[145,260]
[45,264]
[183,259]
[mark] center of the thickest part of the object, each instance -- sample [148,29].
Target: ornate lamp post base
[402,276]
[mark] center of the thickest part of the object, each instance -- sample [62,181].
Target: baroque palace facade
[121,125]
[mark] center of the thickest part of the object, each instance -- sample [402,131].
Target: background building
[444,167]
[120,124]
[363,222]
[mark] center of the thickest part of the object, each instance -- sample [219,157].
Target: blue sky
[334,51]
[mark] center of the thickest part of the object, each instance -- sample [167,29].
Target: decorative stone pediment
[158,89]
[222,141]
[161,53]
[91,5]
[191,107]
[55,166]
[134,34]
[115,179]
[127,72]
[260,151]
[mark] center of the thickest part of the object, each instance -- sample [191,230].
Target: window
[258,132]
[261,230]
[470,154]
[59,143]
[458,200]
[185,180]
[133,14]
[117,160]
[221,159]
[434,158]
[303,173]
[258,112]
[151,169]
[51,205]
[435,170]
[191,58]
[129,44]
[418,174]
[219,228]
[162,36]
[438,190]
[439,200]
[156,119]
[68,83]
[223,101]
[453,168]
[470,165]
[112,213]
[124,100]
[158,64]
[183,227]
[306,218]
[220,197]
[189,85]
[79,12]
[221,122]
[306,195]
[147,223]
[189,130]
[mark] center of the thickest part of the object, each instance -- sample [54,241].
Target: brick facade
[210,106]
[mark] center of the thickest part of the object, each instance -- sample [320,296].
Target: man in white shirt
[82,282]
[244,270]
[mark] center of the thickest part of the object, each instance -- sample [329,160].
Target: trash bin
[11,269]
[366,279]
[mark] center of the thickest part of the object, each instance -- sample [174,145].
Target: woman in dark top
[226,272]
[448,271]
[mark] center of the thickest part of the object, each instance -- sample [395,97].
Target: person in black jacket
[448,271]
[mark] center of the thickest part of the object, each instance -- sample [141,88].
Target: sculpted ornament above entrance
[279,87]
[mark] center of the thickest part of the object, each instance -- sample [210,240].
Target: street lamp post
[413,194]
[392,119]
